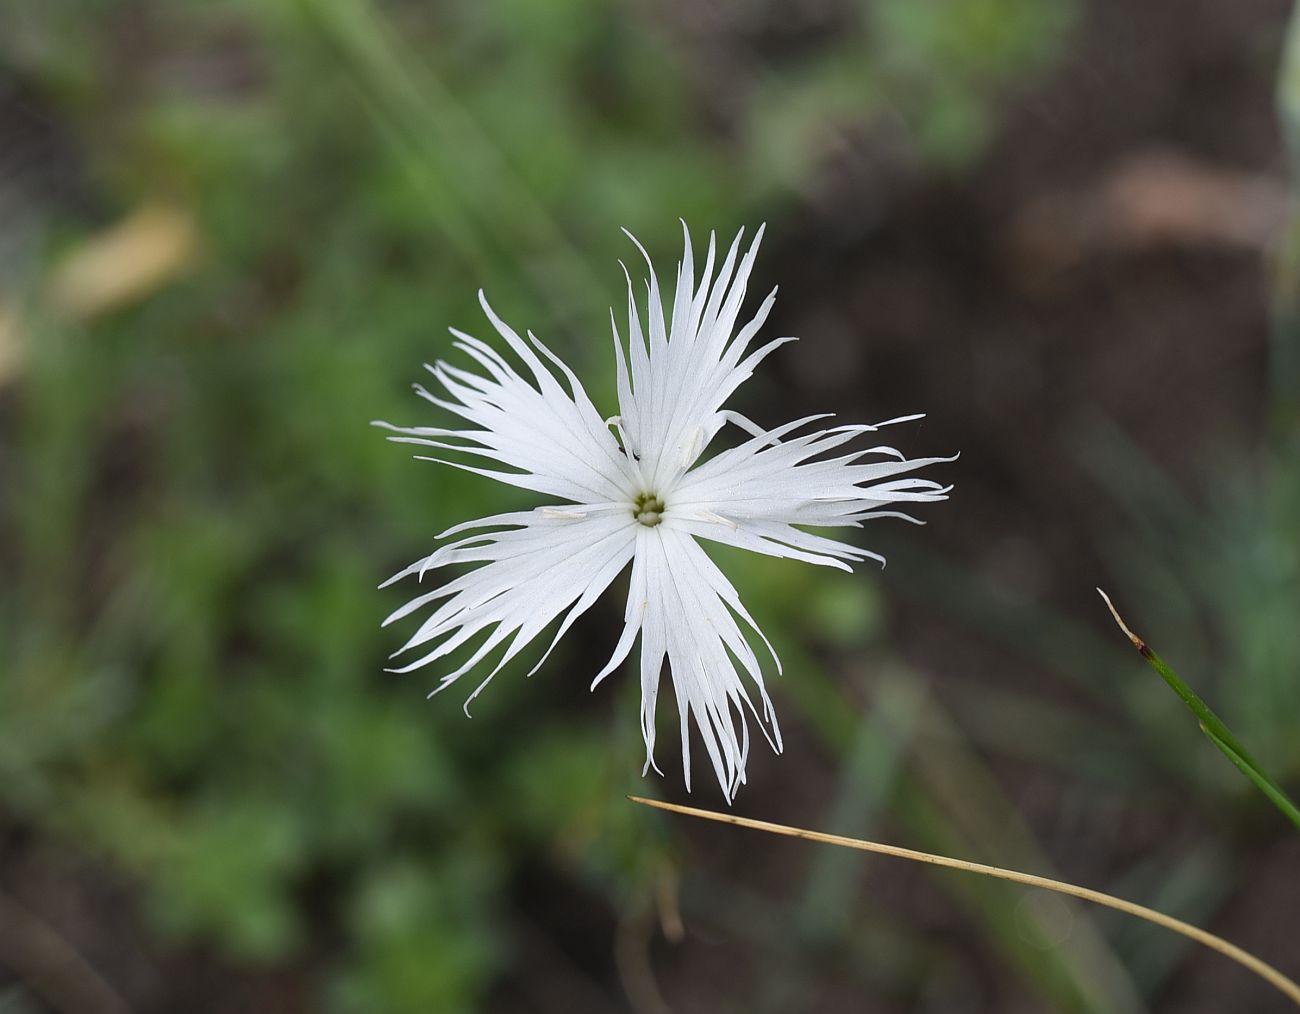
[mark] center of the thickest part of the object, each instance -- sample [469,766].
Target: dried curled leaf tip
[1138,643]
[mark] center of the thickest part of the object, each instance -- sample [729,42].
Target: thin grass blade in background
[1219,734]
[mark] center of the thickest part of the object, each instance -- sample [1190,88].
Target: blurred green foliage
[197,514]
[1219,584]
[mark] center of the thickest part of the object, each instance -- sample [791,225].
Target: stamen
[648,509]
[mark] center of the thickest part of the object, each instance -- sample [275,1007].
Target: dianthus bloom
[637,488]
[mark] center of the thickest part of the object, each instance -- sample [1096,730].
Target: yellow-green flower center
[648,509]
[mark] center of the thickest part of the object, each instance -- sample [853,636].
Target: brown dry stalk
[1261,968]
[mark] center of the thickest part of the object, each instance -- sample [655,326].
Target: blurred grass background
[229,235]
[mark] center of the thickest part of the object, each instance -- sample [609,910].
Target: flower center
[648,509]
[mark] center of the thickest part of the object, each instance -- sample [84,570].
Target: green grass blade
[1264,784]
[1213,727]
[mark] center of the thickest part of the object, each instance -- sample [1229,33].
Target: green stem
[1218,733]
[1251,771]
[1211,724]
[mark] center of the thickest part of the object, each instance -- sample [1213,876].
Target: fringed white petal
[752,496]
[528,576]
[685,611]
[556,439]
[679,371]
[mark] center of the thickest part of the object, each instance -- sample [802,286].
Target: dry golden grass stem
[1261,968]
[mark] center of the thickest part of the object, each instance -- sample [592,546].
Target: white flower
[636,489]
